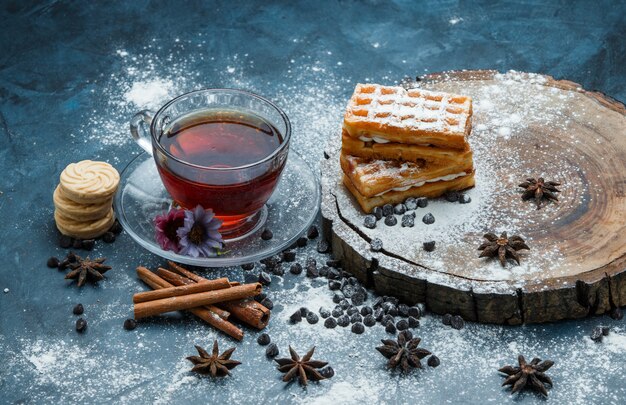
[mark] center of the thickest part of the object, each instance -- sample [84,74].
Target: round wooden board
[524,125]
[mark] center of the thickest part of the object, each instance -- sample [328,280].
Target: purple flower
[199,235]
[166,226]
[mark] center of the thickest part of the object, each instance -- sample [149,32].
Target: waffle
[374,177]
[415,116]
[426,155]
[430,190]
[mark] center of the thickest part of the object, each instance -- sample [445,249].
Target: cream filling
[447,177]
[374,138]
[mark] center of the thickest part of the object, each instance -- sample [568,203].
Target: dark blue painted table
[72,74]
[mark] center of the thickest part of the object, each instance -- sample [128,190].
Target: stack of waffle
[399,143]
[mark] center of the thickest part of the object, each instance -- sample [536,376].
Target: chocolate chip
[369,320]
[116,228]
[260,297]
[452,196]
[295,268]
[304,311]
[367,311]
[605,330]
[334,274]
[267,234]
[302,241]
[410,203]
[413,322]
[356,317]
[78,309]
[617,313]
[433,361]
[358,298]
[77,244]
[312,233]
[378,213]
[81,325]
[399,209]
[387,319]
[324,271]
[88,244]
[379,314]
[330,323]
[596,334]
[390,328]
[324,312]
[344,304]
[415,312]
[267,303]
[108,237]
[387,210]
[390,220]
[334,285]
[53,262]
[429,246]
[378,302]
[408,221]
[337,298]
[327,372]
[312,318]
[343,321]
[247,266]
[376,245]
[311,268]
[65,241]
[295,317]
[369,221]
[402,324]
[323,246]
[465,199]
[403,310]
[422,202]
[272,350]
[333,263]
[265,278]
[289,256]
[447,319]
[358,328]
[457,322]
[264,339]
[428,219]
[130,324]
[337,312]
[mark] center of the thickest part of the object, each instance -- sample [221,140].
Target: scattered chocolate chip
[343,321]
[326,155]
[247,266]
[457,322]
[390,309]
[88,244]
[387,210]
[272,350]
[267,234]
[605,330]
[334,274]
[422,202]
[265,278]
[376,245]
[433,361]
[130,324]
[429,246]
[378,213]
[330,323]
[267,303]
[616,313]
[452,196]
[390,328]
[413,322]
[369,320]
[369,221]
[410,203]
[327,372]
[408,221]
[358,298]
[344,304]
[304,311]
[378,314]
[65,241]
[399,209]
[428,219]
[116,228]
[353,280]
[108,237]
[334,285]
[323,246]
[81,325]
[260,297]
[302,241]
[356,317]
[324,271]
[78,309]
[358,328]
[337,312]
[324,312]
[264,339]
[295,268]
[596,334]
[402,324]
[295,317]
[465,199]
[77,244]
[53,262]
[387,319]
[415,312]
[311,268]
[334,263]
[352,310]
[337,297]
[403,310]
[289,256]
[390,220]
[395,301]
[366,311]
[378,302]
[312,233]
[447,319]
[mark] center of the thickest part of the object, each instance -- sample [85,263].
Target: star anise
[404,352]
[504,247]
[304,368]
[213,364]
[540,189]
[528,375]
[86,269]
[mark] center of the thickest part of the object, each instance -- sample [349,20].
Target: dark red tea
[221,140]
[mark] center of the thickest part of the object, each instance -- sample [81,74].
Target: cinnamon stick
[248,311]
[210,285]
[156,307]
[205,314]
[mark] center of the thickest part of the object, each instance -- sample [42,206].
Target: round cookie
[84,229]
[89,182]
[79,212]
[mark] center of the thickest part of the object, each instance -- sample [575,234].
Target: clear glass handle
[140,129]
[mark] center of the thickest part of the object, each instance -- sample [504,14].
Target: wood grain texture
[578,259]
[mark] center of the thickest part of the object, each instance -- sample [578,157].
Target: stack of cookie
[83,200]
[399,143]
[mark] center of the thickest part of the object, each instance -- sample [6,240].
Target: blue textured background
[59,61]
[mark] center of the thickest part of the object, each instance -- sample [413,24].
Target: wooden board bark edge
[592,293]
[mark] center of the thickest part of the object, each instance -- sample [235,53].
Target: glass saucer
[290,211]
